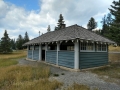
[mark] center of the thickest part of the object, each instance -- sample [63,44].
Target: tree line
[7,45]
[110,23]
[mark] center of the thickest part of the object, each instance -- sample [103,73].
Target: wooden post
[46,48]
[58,49]
[40,52]
[76,54]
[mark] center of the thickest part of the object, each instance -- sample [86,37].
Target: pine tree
[115,26]
[92,24]
[13,44]
[5,43]
[60,22]
[106,21]
[48,29]
[0,47]
[19,42]
[26,37]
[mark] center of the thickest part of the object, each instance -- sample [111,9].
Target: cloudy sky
[19,16]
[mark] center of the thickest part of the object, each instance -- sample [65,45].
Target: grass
[114,57]
[16,77]
[114,49]
[26,77]
[11,59]
[112,71]
[13,55]
[79,87]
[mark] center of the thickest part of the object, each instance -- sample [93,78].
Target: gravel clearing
[71,77]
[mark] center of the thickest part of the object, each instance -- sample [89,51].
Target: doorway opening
[43,52]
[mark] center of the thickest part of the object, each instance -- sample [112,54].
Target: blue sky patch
[27,4]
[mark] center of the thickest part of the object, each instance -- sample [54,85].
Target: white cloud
[17,20]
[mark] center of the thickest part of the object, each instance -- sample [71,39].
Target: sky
[19,16]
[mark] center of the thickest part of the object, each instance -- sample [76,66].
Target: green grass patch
[113,70]
[8,62]
[11,58]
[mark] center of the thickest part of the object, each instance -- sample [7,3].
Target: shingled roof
[69,33]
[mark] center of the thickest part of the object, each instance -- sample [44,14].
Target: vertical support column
[27,51]
[46,48]
[76,54]
[32,51]
[58,49]
[40,52]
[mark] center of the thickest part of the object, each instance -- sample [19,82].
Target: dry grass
[114,49]
[114,57]
[15,77]
[15,54]
[112,71]
[42,84]
[26,77]
[79,87]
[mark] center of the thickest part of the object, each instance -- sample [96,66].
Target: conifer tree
[48,29]
[26,37]
[60,22]
[5,43]
[115,26]
[0,47]
[13,44]
[106,22]
[19,42]
[92,24]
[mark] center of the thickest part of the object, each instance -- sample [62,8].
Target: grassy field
[114,57]
[114,49]
[11,59]
[16,77]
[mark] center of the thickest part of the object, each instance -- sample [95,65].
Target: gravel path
[70,77]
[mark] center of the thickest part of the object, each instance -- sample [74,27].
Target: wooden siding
[66,59]
[51,57]
[30,54]
[92,59]
[36,55]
